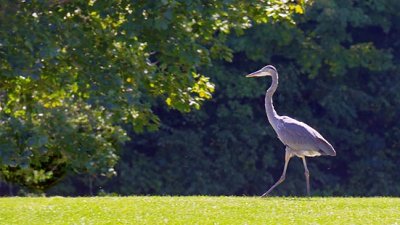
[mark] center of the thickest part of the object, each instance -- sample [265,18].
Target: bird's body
[300,139]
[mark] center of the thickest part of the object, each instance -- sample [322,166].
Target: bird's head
[265,71]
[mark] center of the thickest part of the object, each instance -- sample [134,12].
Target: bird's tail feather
[326,148]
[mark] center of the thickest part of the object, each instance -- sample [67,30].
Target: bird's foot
[266,194]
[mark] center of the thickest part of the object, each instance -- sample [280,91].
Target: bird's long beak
[258,73]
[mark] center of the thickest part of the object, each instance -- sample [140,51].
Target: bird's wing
[300,136]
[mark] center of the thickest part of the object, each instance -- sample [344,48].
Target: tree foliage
[72,72]
[78,78]
[339,72]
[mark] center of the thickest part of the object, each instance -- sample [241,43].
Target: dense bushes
[338,66]
[338,72]
[73,73]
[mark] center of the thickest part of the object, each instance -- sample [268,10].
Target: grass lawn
[199,210]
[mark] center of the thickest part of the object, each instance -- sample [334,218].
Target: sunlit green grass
[199,210]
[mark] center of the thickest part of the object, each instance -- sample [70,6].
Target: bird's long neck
[269,106]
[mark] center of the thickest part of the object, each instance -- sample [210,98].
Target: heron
[299,139]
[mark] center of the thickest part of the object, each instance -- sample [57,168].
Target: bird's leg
[307,174]
[288,155]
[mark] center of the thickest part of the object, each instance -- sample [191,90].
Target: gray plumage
[300,139]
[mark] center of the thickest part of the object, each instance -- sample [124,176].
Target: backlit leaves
[72,71]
